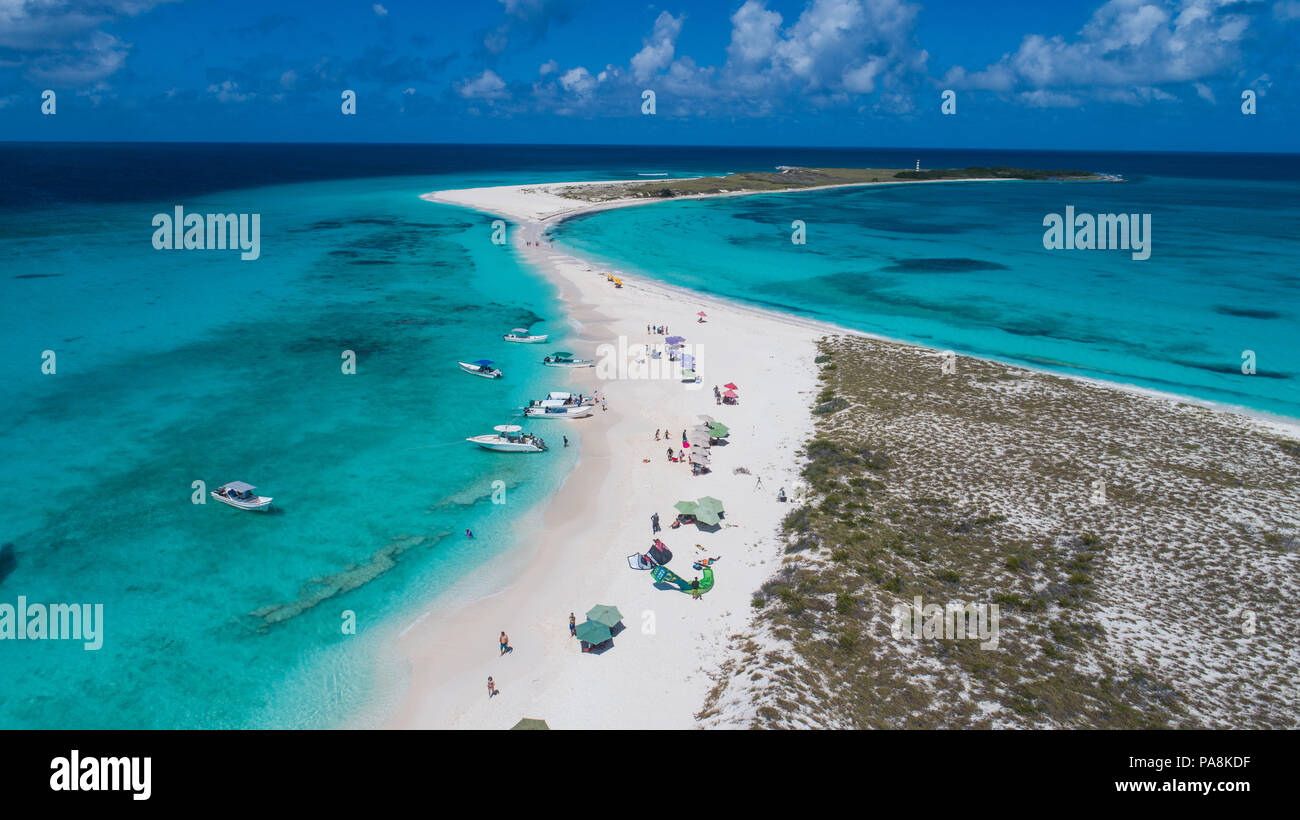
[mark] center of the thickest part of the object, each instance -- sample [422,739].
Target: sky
[1118,75]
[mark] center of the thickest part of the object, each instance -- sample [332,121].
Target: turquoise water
[181,366]
[962,266]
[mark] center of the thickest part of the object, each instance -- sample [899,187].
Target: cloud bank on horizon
[801,71]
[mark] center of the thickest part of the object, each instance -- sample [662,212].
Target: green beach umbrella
[705,516]
[708,502]
[605,614]
[530,723]
[686,507]
[719,430]
[593,633]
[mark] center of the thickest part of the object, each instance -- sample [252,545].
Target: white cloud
[63,41]
[578,81]
[486,86]
[659,47]
[228,91]
[1203,91]
[1125,51]
[380,10]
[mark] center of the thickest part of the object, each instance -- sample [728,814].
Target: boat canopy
[483,362]
[521,330]
[507,428]
[562,354]
[238,486]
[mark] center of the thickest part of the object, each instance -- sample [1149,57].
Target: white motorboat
[240,495]
[548,409]
[522,336]
[482,367]
[570,398]
[563,358]
[509,438]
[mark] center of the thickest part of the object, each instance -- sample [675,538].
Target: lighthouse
[918,165]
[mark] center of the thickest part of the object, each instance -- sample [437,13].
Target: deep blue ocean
[181,366]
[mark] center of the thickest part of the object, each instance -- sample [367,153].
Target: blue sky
[1124,74]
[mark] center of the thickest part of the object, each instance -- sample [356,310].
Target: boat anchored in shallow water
[482,367]
[556,410]
[563,358]
[240,495]
[509,438]
[523,336]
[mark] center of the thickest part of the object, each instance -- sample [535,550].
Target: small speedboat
[522,336]
[556,410]
[570,398]
[563,358]
[482,367]
[240,495]
[509,438]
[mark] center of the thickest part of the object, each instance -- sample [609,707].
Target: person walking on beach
[670,454]
[695,588]
[602,405]
[566,440]
[573,626]
[505,644]
[758,485]
[654,523]
[656,434]
[492,688]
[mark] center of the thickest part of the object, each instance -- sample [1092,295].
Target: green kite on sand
[663,575]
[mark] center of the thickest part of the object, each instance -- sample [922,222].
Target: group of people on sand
[660,330]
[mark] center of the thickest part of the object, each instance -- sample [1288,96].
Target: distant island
[793,178]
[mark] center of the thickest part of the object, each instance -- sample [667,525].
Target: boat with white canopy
[563,358]
[509,438]
[241,496]
[523,336]
[551,409]
[482,367]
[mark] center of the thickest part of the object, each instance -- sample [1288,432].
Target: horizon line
[655,145]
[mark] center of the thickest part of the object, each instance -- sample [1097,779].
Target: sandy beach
[674,650]
[657,674]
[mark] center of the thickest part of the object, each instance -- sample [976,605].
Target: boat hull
[497,446]
[526,340]
[474,371]
[573,412]
[257,504]
[570,364]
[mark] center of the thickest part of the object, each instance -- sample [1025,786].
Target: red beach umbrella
[731,394]
[730,386]
[702,313]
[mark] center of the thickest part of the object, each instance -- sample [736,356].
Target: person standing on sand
[602,405]
[670,454]
[654,523]
[492,688]
[695,588]
[573,626]
[656,434]
[505,644]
